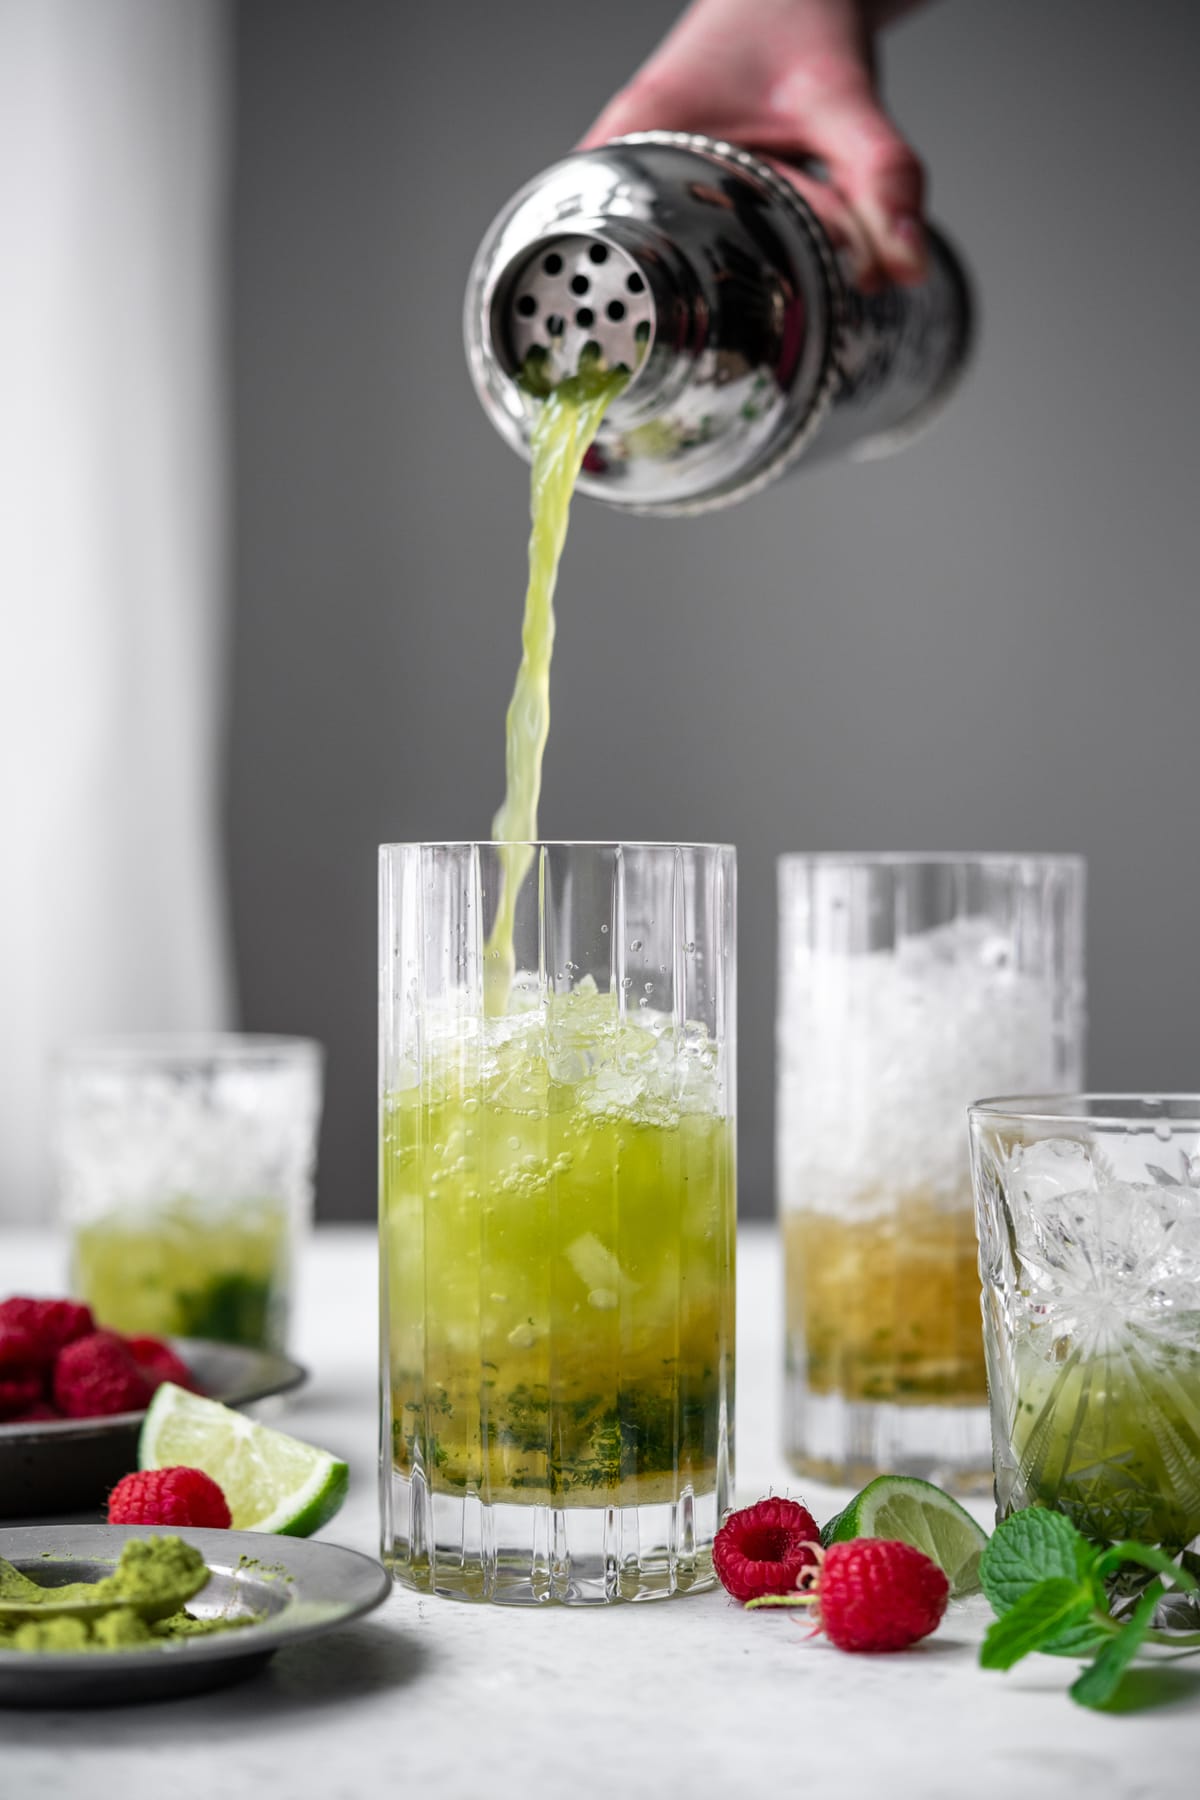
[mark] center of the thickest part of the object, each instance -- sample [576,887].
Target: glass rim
[885,859]
[185,1048]
[1181,1111]
[553,844]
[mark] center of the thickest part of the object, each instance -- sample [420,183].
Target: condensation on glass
[185,1169]
[557,1217]
[908,987]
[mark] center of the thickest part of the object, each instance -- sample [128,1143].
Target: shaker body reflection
[698,267]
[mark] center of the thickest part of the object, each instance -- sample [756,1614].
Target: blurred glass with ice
[908,988]
[185,1170]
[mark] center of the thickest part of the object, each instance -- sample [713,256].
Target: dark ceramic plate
[69,1465]
[299,1587]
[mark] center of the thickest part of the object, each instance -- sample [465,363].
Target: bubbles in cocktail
[567,1196]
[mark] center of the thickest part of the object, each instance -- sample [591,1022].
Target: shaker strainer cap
[570,295]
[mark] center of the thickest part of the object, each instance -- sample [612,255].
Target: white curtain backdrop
[112,538]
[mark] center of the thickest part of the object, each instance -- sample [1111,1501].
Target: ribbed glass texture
[909,986]
[1089,1231]
[557,1214]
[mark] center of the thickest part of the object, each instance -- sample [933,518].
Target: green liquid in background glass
[567,422]
[1113,1440]
[185,1269]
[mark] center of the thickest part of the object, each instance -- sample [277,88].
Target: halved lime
[915,1512]
[272,1482]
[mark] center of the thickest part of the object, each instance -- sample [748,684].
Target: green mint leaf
[1027,1548]
[779,1600]
[1040,1617]
[1034,1546]
[1097,1685]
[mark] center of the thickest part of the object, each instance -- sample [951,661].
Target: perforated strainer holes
[572,293]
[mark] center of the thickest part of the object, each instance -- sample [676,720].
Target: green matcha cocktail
[183,1268]
[557,1224]
[1089,1220]
[185,1172]
[1113,1441]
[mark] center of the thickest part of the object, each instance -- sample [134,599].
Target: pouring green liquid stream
[570,417]
[559,1261]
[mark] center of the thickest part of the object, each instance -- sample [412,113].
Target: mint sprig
[1045,1582]
[1042,1614]
[1099,1682]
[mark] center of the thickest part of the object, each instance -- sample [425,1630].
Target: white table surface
[690,1697]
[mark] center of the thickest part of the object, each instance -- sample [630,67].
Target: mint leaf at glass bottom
[1038,1545]
[1041,1615]
[1026,1548]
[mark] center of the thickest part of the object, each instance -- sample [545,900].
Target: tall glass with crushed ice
[1089,1231]
[908,987]
[557,1217]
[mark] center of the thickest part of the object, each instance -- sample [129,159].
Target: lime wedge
[272,1482]
[915,1512]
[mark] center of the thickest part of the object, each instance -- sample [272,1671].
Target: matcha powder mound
[154,1575]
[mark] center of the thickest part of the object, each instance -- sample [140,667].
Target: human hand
[795,80]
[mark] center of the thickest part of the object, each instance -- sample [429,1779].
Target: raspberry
[168,1497]
[34,1414]
[873,1594]
[42,1327]
[159,1363]
[20,1388]
[765,1548]
[18,1348]
[96,1376]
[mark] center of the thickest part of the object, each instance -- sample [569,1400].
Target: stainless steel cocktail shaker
[701,268]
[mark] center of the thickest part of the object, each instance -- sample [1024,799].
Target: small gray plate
[70,1465]
[302,1587]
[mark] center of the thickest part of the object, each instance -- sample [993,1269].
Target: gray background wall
[990,642]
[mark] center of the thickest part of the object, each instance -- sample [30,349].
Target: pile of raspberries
[55,1364]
